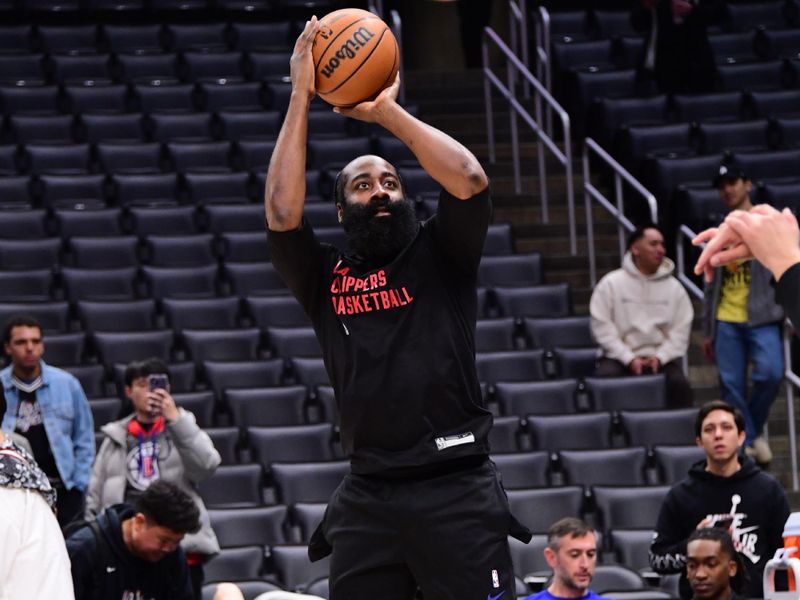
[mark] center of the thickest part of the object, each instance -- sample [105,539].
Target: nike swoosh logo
[490,597]
[110,569]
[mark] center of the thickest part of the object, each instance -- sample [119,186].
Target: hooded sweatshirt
[123,575]
[634,314]
[752,499]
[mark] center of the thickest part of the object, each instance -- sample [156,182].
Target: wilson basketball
[355,57]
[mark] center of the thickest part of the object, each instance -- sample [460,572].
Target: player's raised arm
[286,183]
[453,166]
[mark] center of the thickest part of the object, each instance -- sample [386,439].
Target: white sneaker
[761,450]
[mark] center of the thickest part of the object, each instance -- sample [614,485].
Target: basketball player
[395,315]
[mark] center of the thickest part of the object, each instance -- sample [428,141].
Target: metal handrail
[544,70]
[518,28]
[590,192]
[680,258]
[515,67]
[792,379]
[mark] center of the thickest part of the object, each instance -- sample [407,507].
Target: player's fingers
[729,255]
[704,236]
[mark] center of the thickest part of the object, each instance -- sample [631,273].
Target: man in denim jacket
[47,406]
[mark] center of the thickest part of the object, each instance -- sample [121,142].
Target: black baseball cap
[729,170]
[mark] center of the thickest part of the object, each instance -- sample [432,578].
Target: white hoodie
[634,314]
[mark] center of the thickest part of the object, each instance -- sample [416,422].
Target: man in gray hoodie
[742,323]
[642,316]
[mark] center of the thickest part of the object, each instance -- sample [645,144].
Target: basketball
[355,57]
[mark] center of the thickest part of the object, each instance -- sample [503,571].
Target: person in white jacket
[641,316]
[159,441]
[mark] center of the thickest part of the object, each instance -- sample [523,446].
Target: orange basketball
[355,57]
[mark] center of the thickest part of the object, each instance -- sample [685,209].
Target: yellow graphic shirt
[732,305]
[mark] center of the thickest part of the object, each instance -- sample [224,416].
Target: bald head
[366,173]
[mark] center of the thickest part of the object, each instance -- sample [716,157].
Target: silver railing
[518,31]
[792,379]
[514,68]
[544,67]
[615,208]
[397,30]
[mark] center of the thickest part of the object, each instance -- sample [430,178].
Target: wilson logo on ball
[348,50]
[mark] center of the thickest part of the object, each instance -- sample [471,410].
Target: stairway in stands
[453,101]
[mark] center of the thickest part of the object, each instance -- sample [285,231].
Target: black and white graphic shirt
[19,470]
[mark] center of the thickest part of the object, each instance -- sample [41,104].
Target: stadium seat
[176,282]
[249,374]
[731,48]
[573,431]
[10,166]
[771,166]
[632,547]
[73,191]
[60,159]
[745,16]
[525,365]
[122,348]
[196,36]
[103,252]
[221,344]
[701,108]
[628,507]
[54,317]
[662,427]
[609,579]
[219,188]
[612,23]
[226,441]
[133,315]
[22,70]
[291,444]
[617,466]
[528,558]
[200,404]
[23,224]
[613,113]
[163,98]
[67,39]
[699,208]
[395,151]
[673,462]
[254,155]
[163,220]
[100,284]
[130,158]
[16,39]
[538,509]
[766,75]
[276,311]
[265,407]
[149,68]
[747,136]
[562,332]
[180,250]
[506,435]
[575,362]
[309,371]
[495,335]
[93,382]
[233,486]
[104,410]
[201,313]
[524,469]
[774,103]
[546,300]
[647,392]
[536,397]
[776,44]
[293,567]
[259,526]
[634,143]
[206,157]
[308,482]
[244,246]
[235,564]
[16,194]
[228,95]
[32,285]
[89,223]
[189,127]
[215,66]
[235,217]
[81,69]
[336,153]
[16,255]
[248,279]
[98,128]
[65,348]
[39,100]
[250,125]
[252,35]
[146,188]
[293,342]
[133,38]
[307,516]
[80,99]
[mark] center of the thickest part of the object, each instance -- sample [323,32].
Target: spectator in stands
[725,489]
[47,406]
[396,317]
[713,567]
[158,441]
[771,237]
[677,52]
[134,551]
[31,538]
[571,552]
[642,316]
[741,323]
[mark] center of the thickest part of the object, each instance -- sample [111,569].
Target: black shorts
[446,534]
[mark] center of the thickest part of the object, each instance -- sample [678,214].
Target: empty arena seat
[111,98]
[93,382]
[546,300]
[523,469]
[722,106]
[89,222]
[765,104]
[632,547]
[308,482]
[104,410]
[244,246]
[103,252]
[122,348]
[667,427]
[290,342]
[215,66]
[223,375]
[40,100]
[146,188]
[53,316]
[65,348]
[226,441]
[748,136]
[766,75]
[163,220]
[626,393]
[307,516]
[616,466]
[132,315]
[148,68]
[18,255]
[83,69]
[221,345]
[495,335]
[268,406]
[178,282]
[291,444]
[224,95]
[574,431]
[673,462]
[563,332]
[180,250]
[133,38]
[258,526]
[200,404]
[31,285]
[177,97]
[629,507]
[250,125]
[253,278]
[100,284]
[233,486]
[526,365]
[98,128]
[506,435]
[295,569]
[538,509]
[536,397]
[276,311]
[201,313]
[235,564]
[614,113]
[130,158]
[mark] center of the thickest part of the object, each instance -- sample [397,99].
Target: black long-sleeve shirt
[787,293]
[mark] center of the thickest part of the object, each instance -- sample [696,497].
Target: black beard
[378,240]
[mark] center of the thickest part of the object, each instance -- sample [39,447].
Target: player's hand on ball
[301,65]
[372,111]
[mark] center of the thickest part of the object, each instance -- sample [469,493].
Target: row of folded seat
[83,10]
[141,38]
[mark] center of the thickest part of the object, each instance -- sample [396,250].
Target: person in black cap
[741,324]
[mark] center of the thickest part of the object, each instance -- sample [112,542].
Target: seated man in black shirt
[713,567]
[395,317]
[134,551]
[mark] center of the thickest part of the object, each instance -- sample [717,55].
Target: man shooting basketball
[395,316]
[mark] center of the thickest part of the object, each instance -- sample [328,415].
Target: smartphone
[158,381]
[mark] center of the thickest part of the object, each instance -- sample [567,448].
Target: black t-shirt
[399,340]
[30,424]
